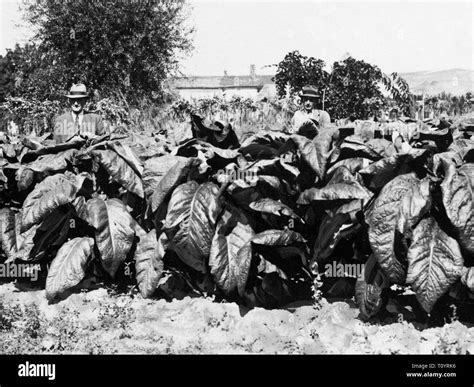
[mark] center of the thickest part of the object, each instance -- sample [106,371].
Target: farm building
[226,86]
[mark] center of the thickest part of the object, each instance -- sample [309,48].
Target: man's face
[308,103]
[77,104]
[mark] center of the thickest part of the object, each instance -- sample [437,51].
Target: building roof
[221,82]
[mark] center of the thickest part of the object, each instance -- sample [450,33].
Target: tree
[7,77]
[124,48]
[353,89]
[297,70]
[33,74]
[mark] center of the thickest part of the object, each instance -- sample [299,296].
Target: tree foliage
[353,88]
[124,48]
[297,70]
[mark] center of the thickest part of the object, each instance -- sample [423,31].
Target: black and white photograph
[237,177]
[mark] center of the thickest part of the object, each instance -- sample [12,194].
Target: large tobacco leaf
[458,198]
[381,146]
[52,163]
[175,175]
[383,218]
[25,178]
[119,170]
[354,146]
[8,232]
[342,186]
[149,261]
[191,220]
[61,225]
[308,153]
[74,143]
[324,144]
[435,263]
[332,230]
[368,289]
[353,164]
[230,236]
[52,192]
[413,205]
[271,238]
[462,147]
[126,153]
[467,277]
[383,171]
[155,168]
[114,233]
[69,266]
[274,207]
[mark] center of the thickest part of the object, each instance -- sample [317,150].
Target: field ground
[96,322]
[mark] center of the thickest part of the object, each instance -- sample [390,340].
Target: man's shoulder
[64,117]
[300,113]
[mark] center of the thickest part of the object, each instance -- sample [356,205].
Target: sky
[232,35]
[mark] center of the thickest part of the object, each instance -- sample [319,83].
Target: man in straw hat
[76,121]
[309,115]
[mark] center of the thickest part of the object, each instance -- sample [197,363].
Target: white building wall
[189,94]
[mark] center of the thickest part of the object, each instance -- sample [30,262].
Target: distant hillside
[454,81]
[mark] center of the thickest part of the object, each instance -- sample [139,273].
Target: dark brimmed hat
[310,91]
[78,91]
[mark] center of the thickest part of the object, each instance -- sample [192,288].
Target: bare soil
[96,322]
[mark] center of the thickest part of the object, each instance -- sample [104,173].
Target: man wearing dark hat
[309,114]
[76,121]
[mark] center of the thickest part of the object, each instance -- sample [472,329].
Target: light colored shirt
[300,117]
[81,117]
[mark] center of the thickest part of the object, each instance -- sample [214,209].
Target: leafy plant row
[258,225]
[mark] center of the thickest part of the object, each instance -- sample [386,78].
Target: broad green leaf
[126,153]
[114,231]
[383,219]
[343,186]
[120,171]
[149,262]
[354,146]
[69,266]
[467,277]
[8,232]
[368,289]
[266,238]
[24,177]
[354,165]
[434,263]
[450,157]
[271,206]
[384,170]
[462,147]
[381,146]
[230,236]
[52,192]
[52,163]
[458,198]
[25,241]
[174,176]
[308,153]
[413,205]
[191,220]
[332,230]
[74,143]
[157,167]
[324,143]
